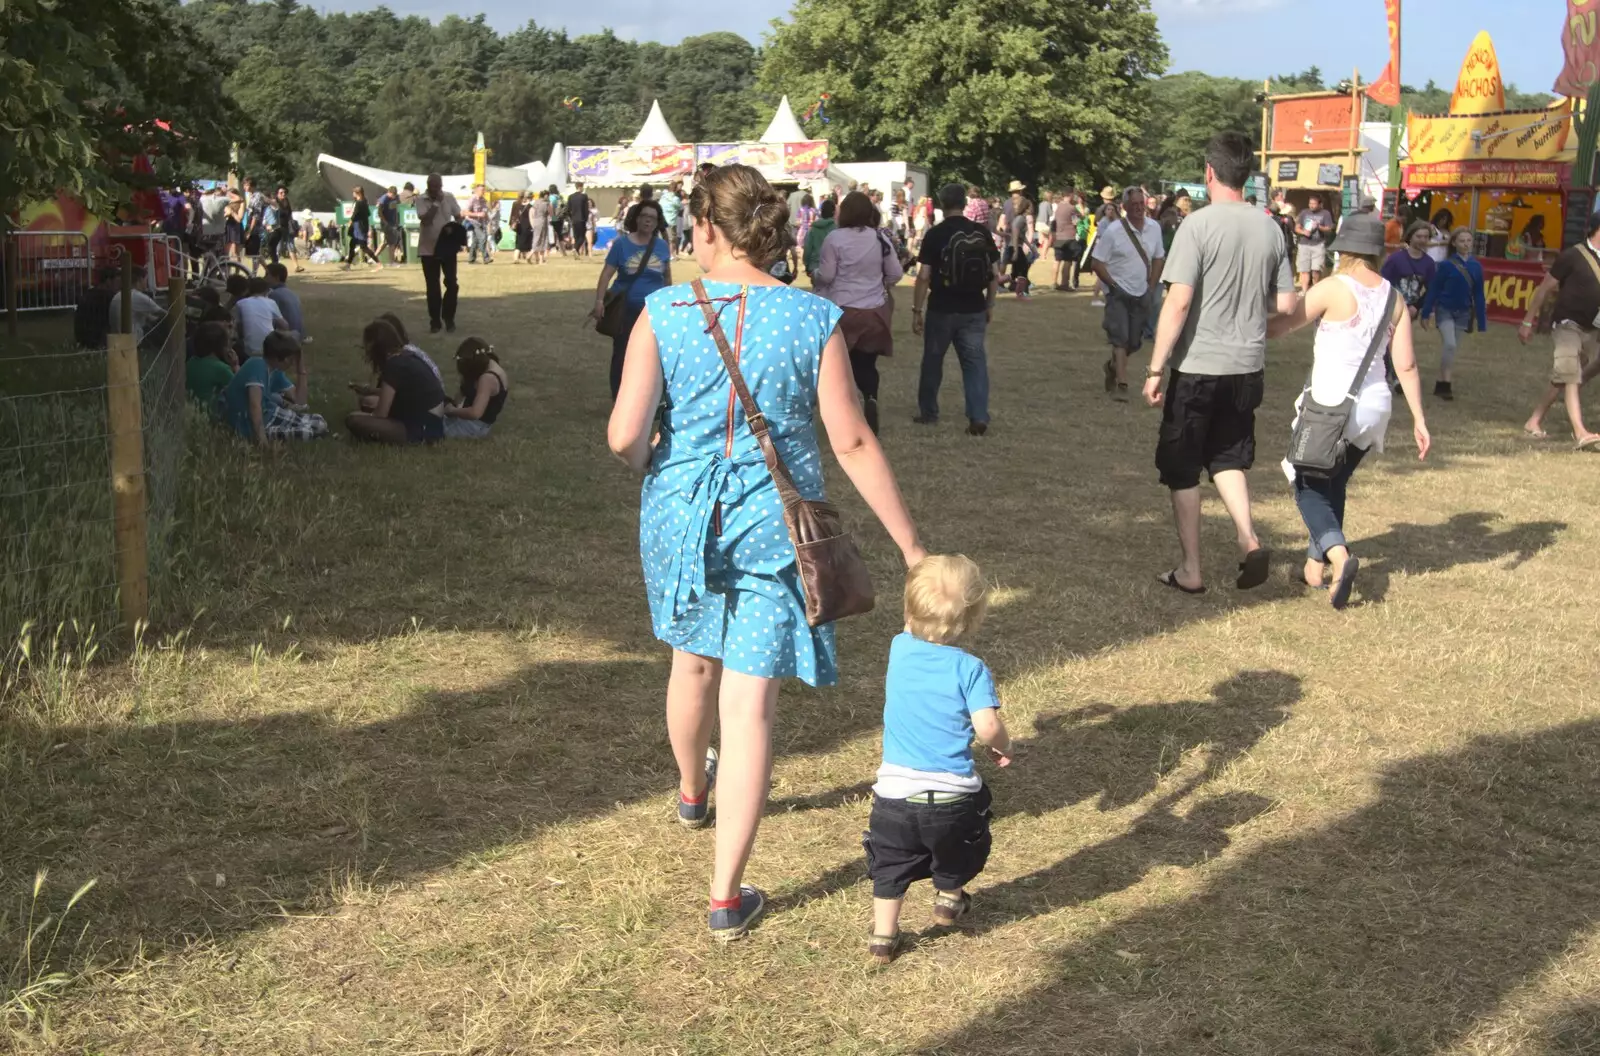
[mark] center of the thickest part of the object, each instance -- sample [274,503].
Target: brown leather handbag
[833,576]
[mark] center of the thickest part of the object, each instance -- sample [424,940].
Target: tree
[710,87]
[1039,90]
[1189,109]
[90,86]
[517,117]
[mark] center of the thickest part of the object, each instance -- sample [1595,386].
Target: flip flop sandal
[948,908]
[1339,591]
[1587,442]
[1170,579]
[883,947]
[1254,568]
[1535,434]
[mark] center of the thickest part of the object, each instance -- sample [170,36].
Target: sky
[1204,35]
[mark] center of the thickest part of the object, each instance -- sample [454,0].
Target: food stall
[1313,146]
[1506,175]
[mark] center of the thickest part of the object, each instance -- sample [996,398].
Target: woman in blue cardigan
[1456,295]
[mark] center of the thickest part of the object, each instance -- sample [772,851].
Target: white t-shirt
[1116,251]
[255,316]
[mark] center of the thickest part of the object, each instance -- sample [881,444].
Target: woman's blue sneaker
[730,924]
[695,815]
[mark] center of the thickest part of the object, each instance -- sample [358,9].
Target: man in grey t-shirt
[1226,272]
[1311,230]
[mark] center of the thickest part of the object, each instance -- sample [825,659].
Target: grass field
[396,779]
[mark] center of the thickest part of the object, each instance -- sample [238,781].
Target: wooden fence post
[126,419]
[13,264]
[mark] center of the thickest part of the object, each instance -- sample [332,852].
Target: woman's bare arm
[858,451]
[628,433]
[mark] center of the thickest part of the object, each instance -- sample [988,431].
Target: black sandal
[883,947]
[1170,579]
[1253,570]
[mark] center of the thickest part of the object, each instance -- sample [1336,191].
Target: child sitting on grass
[930,808]
[210,369]
[261,402]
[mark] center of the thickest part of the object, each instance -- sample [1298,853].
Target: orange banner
[1386,89]
[1307,126]
[1581,42]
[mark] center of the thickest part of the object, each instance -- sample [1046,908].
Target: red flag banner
[1386,89]
[1581,42]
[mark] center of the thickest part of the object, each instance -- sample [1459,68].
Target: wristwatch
[1153,373]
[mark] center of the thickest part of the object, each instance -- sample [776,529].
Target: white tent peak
[655,132]
[784,128]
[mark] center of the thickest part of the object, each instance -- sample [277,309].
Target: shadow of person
[1466,538]
[1118,756]
[1574,1031]
[276,804]
[1158,838]
[1394,929]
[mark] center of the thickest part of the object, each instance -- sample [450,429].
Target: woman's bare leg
[691,716]
[371,427]
[744,774]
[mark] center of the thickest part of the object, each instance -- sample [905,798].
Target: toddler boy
[930,809]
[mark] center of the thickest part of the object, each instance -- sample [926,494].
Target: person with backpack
[957,284]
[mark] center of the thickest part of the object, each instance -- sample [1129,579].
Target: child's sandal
[948,908]
[883,947]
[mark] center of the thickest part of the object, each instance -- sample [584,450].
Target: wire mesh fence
[67,550]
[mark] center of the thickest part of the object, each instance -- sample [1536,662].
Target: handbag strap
[1588,256]
[1138,243]
[649,255]
[753,417]
[1380,337]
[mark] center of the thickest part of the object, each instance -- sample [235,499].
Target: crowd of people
[1206,287]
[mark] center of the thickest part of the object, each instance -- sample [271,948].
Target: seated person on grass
[369,393]
[484,387]
[262,404]
[258,315]
[410,399]
[211,367]
[287,300]
[238,286]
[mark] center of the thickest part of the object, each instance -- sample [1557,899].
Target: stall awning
[1511,175]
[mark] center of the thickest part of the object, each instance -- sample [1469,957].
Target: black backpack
[965,264]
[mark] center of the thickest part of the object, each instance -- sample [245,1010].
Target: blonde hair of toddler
[946,598]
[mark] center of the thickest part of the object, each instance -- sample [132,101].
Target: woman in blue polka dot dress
[718,564]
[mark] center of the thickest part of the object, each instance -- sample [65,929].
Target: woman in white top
[1350,306]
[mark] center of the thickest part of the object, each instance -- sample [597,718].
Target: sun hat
[1108,193]
[1362,233]
[1017,185]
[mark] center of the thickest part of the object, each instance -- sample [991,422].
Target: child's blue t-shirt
[236,397]
[627,256]
[930,694]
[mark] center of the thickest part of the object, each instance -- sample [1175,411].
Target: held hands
[915,555]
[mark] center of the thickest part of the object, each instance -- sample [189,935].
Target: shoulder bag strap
[649,255]
[1138,244]
[1588,256]
[1380,337]
[1465,274]
[753,417]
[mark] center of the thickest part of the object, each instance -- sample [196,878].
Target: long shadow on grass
[1392,930]
[1116,757]
[283,807]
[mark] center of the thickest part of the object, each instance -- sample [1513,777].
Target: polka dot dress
[723,583]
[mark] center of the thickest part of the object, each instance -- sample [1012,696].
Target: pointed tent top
[784,128]
[655,132]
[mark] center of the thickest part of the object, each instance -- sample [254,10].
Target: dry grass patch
[414,726]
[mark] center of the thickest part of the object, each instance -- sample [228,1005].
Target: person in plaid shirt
[977,207]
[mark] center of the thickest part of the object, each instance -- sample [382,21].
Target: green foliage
[1039,90]
[1187,109]
[406,94]
[86,84]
